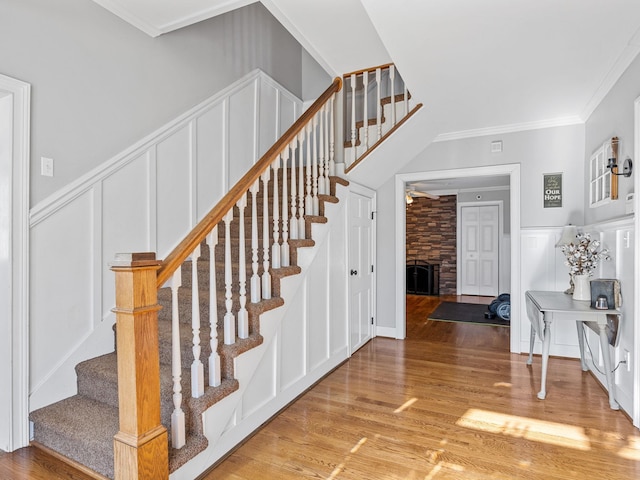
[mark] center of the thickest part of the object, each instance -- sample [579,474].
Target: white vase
[581,287]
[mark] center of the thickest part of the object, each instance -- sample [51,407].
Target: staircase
[249,242]
[82,427]
[377,102]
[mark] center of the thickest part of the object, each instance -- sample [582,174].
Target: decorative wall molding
[123,205]
[65,195]
[543,269]
[304,340]
[515,127]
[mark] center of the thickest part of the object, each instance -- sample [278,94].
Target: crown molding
[515,127]
[613,75]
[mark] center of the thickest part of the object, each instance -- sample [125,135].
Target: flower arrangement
[583,255]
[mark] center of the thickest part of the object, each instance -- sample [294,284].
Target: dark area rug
[465,313]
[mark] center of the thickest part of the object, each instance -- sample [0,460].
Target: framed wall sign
[552,190]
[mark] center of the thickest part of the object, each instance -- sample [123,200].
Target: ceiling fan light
[409,199]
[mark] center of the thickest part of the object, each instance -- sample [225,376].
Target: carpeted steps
[82,427]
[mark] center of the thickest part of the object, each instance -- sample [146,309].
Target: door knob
[354,272]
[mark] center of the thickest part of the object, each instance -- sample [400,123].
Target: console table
[540,307]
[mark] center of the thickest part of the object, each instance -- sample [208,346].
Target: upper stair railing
[376,103]
[295,170]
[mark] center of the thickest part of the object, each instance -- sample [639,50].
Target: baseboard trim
[386,332]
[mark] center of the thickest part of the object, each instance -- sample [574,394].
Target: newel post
[141,444]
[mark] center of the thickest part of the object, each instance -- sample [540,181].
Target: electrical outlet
[46,167]
[627,359]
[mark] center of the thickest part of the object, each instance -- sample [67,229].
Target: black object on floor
[465,313]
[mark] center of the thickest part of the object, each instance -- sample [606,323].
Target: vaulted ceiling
[477,65]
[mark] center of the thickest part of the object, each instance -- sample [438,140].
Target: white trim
[155,29]
[62,197]
[622,63]
[459,206]
[21,91]
[389,332]
[515,127]
[513,170]
[636,273]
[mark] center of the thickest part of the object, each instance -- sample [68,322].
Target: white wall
[100,84]
[145,199]
[614,116]
[549,150]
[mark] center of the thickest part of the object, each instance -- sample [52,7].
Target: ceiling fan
[409,195]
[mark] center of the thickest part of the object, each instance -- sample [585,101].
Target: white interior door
[479,255]
[360,269]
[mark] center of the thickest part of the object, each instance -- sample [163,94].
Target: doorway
[512,171]
[479,237]
[14,264]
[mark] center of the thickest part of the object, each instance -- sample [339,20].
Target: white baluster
[378,103]
[255,244]
[293,224]
[266,276]
[215,378]
[243,315]
[353,117]
[392,79]
[229,319]
[322,160]
[285,253]
[308,199]
[314,169]
[197,369]
[365,113]
[332,136]
[275,247]
[178,437]
[301,226]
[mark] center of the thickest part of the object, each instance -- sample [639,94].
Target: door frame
[484,203]
[636,293]
[371,194]
[401,179]
[18,435]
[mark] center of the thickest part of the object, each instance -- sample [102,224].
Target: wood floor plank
[448,403]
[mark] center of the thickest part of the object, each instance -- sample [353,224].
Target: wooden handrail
[372,69]
[215,215]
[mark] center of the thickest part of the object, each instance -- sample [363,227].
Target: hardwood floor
[449,402]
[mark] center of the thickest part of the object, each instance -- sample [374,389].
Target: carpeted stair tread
[81,429]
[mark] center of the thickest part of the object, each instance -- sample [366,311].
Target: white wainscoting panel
[61,290]
[294,357]
[297,340]
[543,269]
[173,167]
[144,199]
[211,169]
[619,238]
[124,198]
[243,132]
[319,326]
